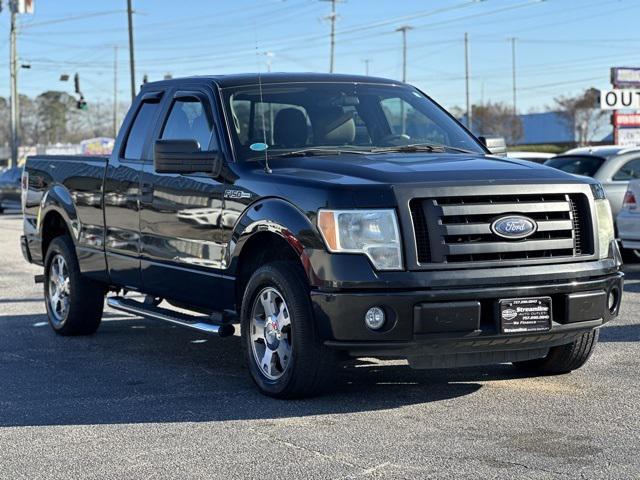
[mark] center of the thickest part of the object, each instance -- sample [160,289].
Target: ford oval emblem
[514,227]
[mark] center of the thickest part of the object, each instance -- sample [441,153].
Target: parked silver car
[613,166]
[629,219]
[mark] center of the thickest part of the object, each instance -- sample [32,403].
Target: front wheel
[74,303]
[284,354]
[563,358]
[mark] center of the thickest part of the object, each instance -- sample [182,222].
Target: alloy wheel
[59,288]
[270,333]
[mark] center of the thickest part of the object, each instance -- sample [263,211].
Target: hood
[399,168]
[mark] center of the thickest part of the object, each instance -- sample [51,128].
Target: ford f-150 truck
[330,216]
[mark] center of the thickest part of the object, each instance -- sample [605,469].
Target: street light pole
[466,79]
[513,72]
[404,29]
[115,91]
[366,66]
[332,36]
[13,67]
[132,63]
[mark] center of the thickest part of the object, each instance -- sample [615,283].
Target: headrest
[290,128]
[333,126]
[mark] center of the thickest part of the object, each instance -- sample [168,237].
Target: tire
[564,358]
[74,303]
[307,365]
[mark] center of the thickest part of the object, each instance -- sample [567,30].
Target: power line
[69,19]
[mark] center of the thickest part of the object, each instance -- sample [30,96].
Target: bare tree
[497,119]
[582,115]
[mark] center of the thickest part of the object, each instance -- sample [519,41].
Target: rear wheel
[284,354]
[564,358]
[74,303]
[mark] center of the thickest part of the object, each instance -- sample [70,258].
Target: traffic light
[76,83]
[82,104]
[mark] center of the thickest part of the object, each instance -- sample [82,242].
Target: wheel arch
[57,216]
[271,229]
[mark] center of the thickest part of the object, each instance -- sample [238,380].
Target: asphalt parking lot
[146,400]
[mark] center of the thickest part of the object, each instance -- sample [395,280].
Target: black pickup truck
[331,216]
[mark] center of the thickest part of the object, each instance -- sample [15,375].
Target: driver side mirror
[184,156]
[496,145]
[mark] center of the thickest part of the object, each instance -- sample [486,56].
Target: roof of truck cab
[240,79]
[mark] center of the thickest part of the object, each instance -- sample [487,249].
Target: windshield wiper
[316,151]
[420,147]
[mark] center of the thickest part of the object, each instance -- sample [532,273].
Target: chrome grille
[458,229]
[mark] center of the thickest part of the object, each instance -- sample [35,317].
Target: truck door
[183,255]
[122,189]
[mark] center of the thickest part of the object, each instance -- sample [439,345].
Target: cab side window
[629,171]
[188,120]
[139,130]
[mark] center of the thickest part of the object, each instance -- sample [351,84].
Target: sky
[562,46]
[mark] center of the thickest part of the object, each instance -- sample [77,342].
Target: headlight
[374,233]
[605,227]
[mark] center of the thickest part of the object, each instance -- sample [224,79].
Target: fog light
[374,318]
[614,298]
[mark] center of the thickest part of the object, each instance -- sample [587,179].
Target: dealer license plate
[523,315]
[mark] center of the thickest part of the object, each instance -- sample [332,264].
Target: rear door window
[629,171]
[140,130]
[188,120]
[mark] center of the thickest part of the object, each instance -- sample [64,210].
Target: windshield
[338,118]
[578,165]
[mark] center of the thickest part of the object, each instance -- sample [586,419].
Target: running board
[182,319]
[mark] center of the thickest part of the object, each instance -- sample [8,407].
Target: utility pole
[13,67]
[513,72]
[132,63]
[115,91]
[333,17]
[466,81]
[404,29]
[366,66]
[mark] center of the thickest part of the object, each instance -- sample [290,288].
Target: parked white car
[629,219]
[538,157]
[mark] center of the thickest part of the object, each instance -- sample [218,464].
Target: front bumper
[460,326]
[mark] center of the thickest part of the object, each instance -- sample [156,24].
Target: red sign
[626,119]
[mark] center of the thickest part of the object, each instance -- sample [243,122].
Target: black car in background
[10,189]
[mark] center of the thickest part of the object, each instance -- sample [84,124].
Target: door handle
[146,188]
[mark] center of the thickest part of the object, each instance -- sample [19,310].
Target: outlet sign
[620,99]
